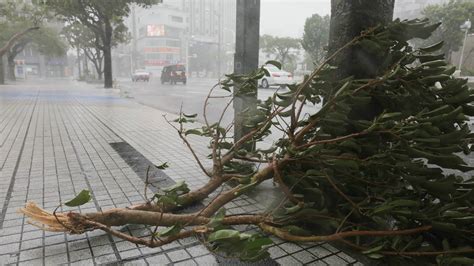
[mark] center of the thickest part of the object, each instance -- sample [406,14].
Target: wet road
[191,97]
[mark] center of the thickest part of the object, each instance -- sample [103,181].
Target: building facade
[197,33]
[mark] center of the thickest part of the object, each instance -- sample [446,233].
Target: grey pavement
[57,137]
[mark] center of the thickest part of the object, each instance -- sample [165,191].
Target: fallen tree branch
[337,236]
[121,216]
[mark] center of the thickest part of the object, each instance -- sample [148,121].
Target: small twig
[334,140]
[229,155]
[344,221]
[147,183]
[74,231]
[185,140]
[279,180]
[341,193]
[140,241]
[204,113]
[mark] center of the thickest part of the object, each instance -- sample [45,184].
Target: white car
[277,77]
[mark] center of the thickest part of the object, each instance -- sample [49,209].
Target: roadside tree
[452,15]
[316,37]
[23,15]
[283,49]
[104,18]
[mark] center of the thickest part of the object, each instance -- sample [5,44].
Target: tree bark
[108,79]
[348,19]
[11,67]
[2,71]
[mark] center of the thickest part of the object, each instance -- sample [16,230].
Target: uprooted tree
[379,186]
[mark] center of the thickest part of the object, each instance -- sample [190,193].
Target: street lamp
[466,27]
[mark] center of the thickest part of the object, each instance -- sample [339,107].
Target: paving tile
[206,260]
[178,255]
[304,256]
[160,259]
[288,260]
[198,250]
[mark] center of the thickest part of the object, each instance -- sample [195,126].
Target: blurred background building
[195,33]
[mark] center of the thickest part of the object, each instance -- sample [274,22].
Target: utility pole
[246,58]
[134,41]
[219,46]
[79,73]
[466,27]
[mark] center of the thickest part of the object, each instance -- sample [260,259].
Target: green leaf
[296,230]
[432,48]
[167,200]
[190,116]
[193,132]
[373,250]
[266,72]
[82,198]
[375,256]
[224,234]
[180,186]
[218,218]
[170,231]
[390,116]
[162,166]
[274,62]
[458,261]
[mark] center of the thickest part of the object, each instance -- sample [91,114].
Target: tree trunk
[2,71]
[108,79]
[348,19]
[11,67]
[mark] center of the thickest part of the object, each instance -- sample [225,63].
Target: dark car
[173,74]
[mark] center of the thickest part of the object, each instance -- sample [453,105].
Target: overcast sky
[287,17]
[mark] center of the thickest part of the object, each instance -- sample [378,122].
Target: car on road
[275,77]
[174,74]
[141,75]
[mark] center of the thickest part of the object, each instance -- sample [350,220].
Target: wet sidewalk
[59,137]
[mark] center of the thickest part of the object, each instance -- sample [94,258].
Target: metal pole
[219,47]
[78,64]
[246,59]
[133,59]
[462,50]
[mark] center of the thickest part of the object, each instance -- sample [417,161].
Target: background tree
[88,41]
[104,18]
[284,49]
[46,41]
[316,37]
[452,15]
[19,20]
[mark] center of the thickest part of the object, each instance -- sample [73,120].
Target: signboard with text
[156,62]
[165,50]
[155,30]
